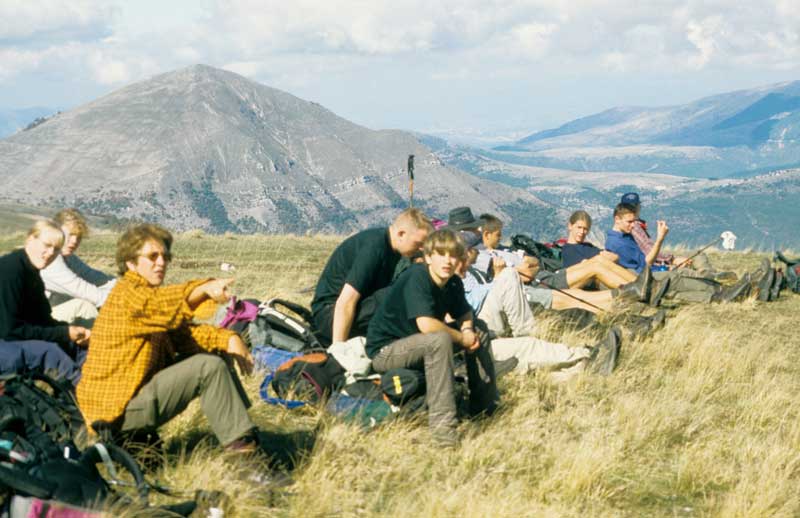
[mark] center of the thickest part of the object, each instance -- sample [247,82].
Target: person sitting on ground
[675,284]
[74,289]
[30,338]
[148,360]
[549,289]
[502,305]
[577,249]
[353,282]
[408,330]
[699,263]
[599,269]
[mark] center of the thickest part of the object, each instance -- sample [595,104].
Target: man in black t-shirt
[352,284]
[408,330]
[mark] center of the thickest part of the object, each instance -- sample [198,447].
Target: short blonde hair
[47,225]
[445,241]
[73,220]
[415,218]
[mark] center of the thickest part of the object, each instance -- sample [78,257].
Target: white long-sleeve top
[69,277]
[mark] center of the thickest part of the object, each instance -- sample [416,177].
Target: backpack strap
[295,308]
[264,393]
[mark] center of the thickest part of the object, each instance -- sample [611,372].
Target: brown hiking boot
[735,293]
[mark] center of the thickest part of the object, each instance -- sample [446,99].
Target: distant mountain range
[206,148]
[11,121]
[733,134]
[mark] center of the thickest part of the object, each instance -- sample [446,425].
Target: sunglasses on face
[153,256]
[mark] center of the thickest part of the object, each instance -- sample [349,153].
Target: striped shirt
[139,331]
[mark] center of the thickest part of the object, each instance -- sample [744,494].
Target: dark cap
[461,218]
[630,198]
[471,239]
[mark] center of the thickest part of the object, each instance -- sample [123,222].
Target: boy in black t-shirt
[353,282]
[408,330]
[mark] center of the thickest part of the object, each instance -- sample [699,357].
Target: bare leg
[601,299]
[600,269]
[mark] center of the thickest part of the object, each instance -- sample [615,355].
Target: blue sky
[468,66]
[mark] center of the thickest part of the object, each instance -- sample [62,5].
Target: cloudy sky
[500,67]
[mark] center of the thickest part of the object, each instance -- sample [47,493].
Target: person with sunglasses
[148,360]
[30,338]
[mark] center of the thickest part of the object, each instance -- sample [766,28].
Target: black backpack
[549,256]
[311,377]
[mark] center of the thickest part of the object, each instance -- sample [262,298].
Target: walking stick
[411,180]
[725,237]
[542,283]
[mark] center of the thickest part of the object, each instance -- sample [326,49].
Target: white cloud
[36,22]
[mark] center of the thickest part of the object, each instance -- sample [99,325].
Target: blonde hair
[445,241]
[415,218]
[45,225]
[73,220]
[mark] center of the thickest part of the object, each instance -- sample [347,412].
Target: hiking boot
[737,292]
[658,320]
[659,290]
[763,283]
[445,437]
[639,289]
[726,277]
[503,367]
[777,286]
[245,445]
[606,354]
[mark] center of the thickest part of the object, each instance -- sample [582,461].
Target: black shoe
[737,292]
[606,354]
[763,284]
[777,286]
[639,289]
[503,367]
[659,290]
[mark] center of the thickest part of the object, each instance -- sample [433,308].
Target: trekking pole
[542,283]
[411,181]
[720,238]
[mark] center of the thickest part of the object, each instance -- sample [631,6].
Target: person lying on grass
[408,330]
[681,284]
[484,235]
[148,360]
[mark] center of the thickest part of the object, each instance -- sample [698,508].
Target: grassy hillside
[700,419]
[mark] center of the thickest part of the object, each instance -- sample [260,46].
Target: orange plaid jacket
[139,331]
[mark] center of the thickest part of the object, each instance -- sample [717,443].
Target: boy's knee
[211,364]
[440,341]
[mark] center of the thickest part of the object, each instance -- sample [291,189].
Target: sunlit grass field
[700,419]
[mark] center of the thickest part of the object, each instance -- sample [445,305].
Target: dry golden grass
[700,419]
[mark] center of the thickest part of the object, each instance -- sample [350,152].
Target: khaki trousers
[171,390]
[506,307]
[534,353]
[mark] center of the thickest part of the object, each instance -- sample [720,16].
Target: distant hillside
[12,121]
[718,136]
[202,147]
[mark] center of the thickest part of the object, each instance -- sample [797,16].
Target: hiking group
[425,296]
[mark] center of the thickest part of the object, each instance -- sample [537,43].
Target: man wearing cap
[353,282]
[677,284]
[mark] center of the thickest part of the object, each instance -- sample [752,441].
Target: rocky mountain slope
[11,121]
[206,148]
[737,133]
